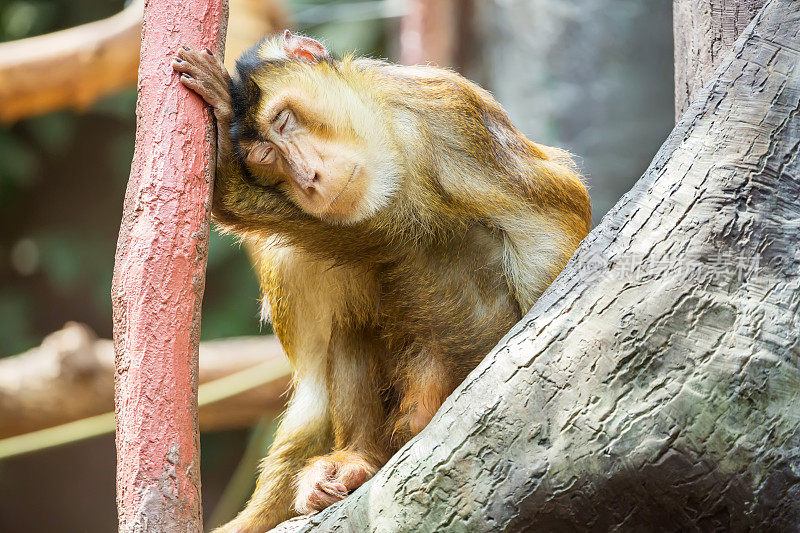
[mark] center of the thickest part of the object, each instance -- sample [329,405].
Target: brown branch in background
[71,376]
[248,22]
[69,68]
[73,68]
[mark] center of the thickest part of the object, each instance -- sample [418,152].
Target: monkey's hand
[330,478]
[205,74]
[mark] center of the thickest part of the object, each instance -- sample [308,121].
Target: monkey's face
[325,174]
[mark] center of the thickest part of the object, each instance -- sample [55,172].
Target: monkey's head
[301,127]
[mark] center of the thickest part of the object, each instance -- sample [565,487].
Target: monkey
[399,225]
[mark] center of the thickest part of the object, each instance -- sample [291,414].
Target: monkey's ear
[305,48]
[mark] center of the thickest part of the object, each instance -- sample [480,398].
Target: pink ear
[305,48]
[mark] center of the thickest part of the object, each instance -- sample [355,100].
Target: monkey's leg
[424,382]
[357,413]
[301,317]
[304,432]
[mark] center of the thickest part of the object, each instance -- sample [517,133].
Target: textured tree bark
[159,277]
[704,31]
[71,377]
[655,384]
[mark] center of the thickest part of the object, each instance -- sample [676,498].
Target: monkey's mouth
[346,185]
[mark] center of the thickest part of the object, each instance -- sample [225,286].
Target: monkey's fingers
[316,498]
[220,104]
[190,82]
[314,489]
[207,62]
[202,74]
[333,488]
[353,475]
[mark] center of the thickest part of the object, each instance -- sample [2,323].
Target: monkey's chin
[347,206]
[343,211]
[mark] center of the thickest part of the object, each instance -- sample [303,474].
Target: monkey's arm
[300,436]
[537,202]
[204,74]
[538,239]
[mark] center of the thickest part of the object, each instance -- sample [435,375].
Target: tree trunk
[159,276]
[436,32]
[655,384]
[704,32]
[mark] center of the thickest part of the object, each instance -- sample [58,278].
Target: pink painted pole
[159,277]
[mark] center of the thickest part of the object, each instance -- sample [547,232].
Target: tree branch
[704,34]
[69,68]
[71,377]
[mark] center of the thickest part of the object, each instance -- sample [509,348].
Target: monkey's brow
[302,107]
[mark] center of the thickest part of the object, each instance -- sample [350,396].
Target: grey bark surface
[591,76]
[656,383]
[704,31]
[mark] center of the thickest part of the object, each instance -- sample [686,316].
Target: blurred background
[592,76]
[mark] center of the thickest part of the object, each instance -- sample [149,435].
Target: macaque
[400,225]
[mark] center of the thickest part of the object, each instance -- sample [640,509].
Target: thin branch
[209,394]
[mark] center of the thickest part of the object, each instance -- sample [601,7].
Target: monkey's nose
[307,180]
[310,182]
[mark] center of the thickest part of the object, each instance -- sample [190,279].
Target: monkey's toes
[330,478]
[312,498]
[334,489]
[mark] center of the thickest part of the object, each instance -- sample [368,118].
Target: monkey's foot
[330,478]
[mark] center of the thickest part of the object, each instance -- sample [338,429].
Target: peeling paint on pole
[159,276]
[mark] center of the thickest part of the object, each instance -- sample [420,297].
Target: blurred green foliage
[25,18]
[351,26]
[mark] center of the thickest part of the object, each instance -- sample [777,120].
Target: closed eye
[284,121]
[261,153]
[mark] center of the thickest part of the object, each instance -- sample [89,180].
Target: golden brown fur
[400,225]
